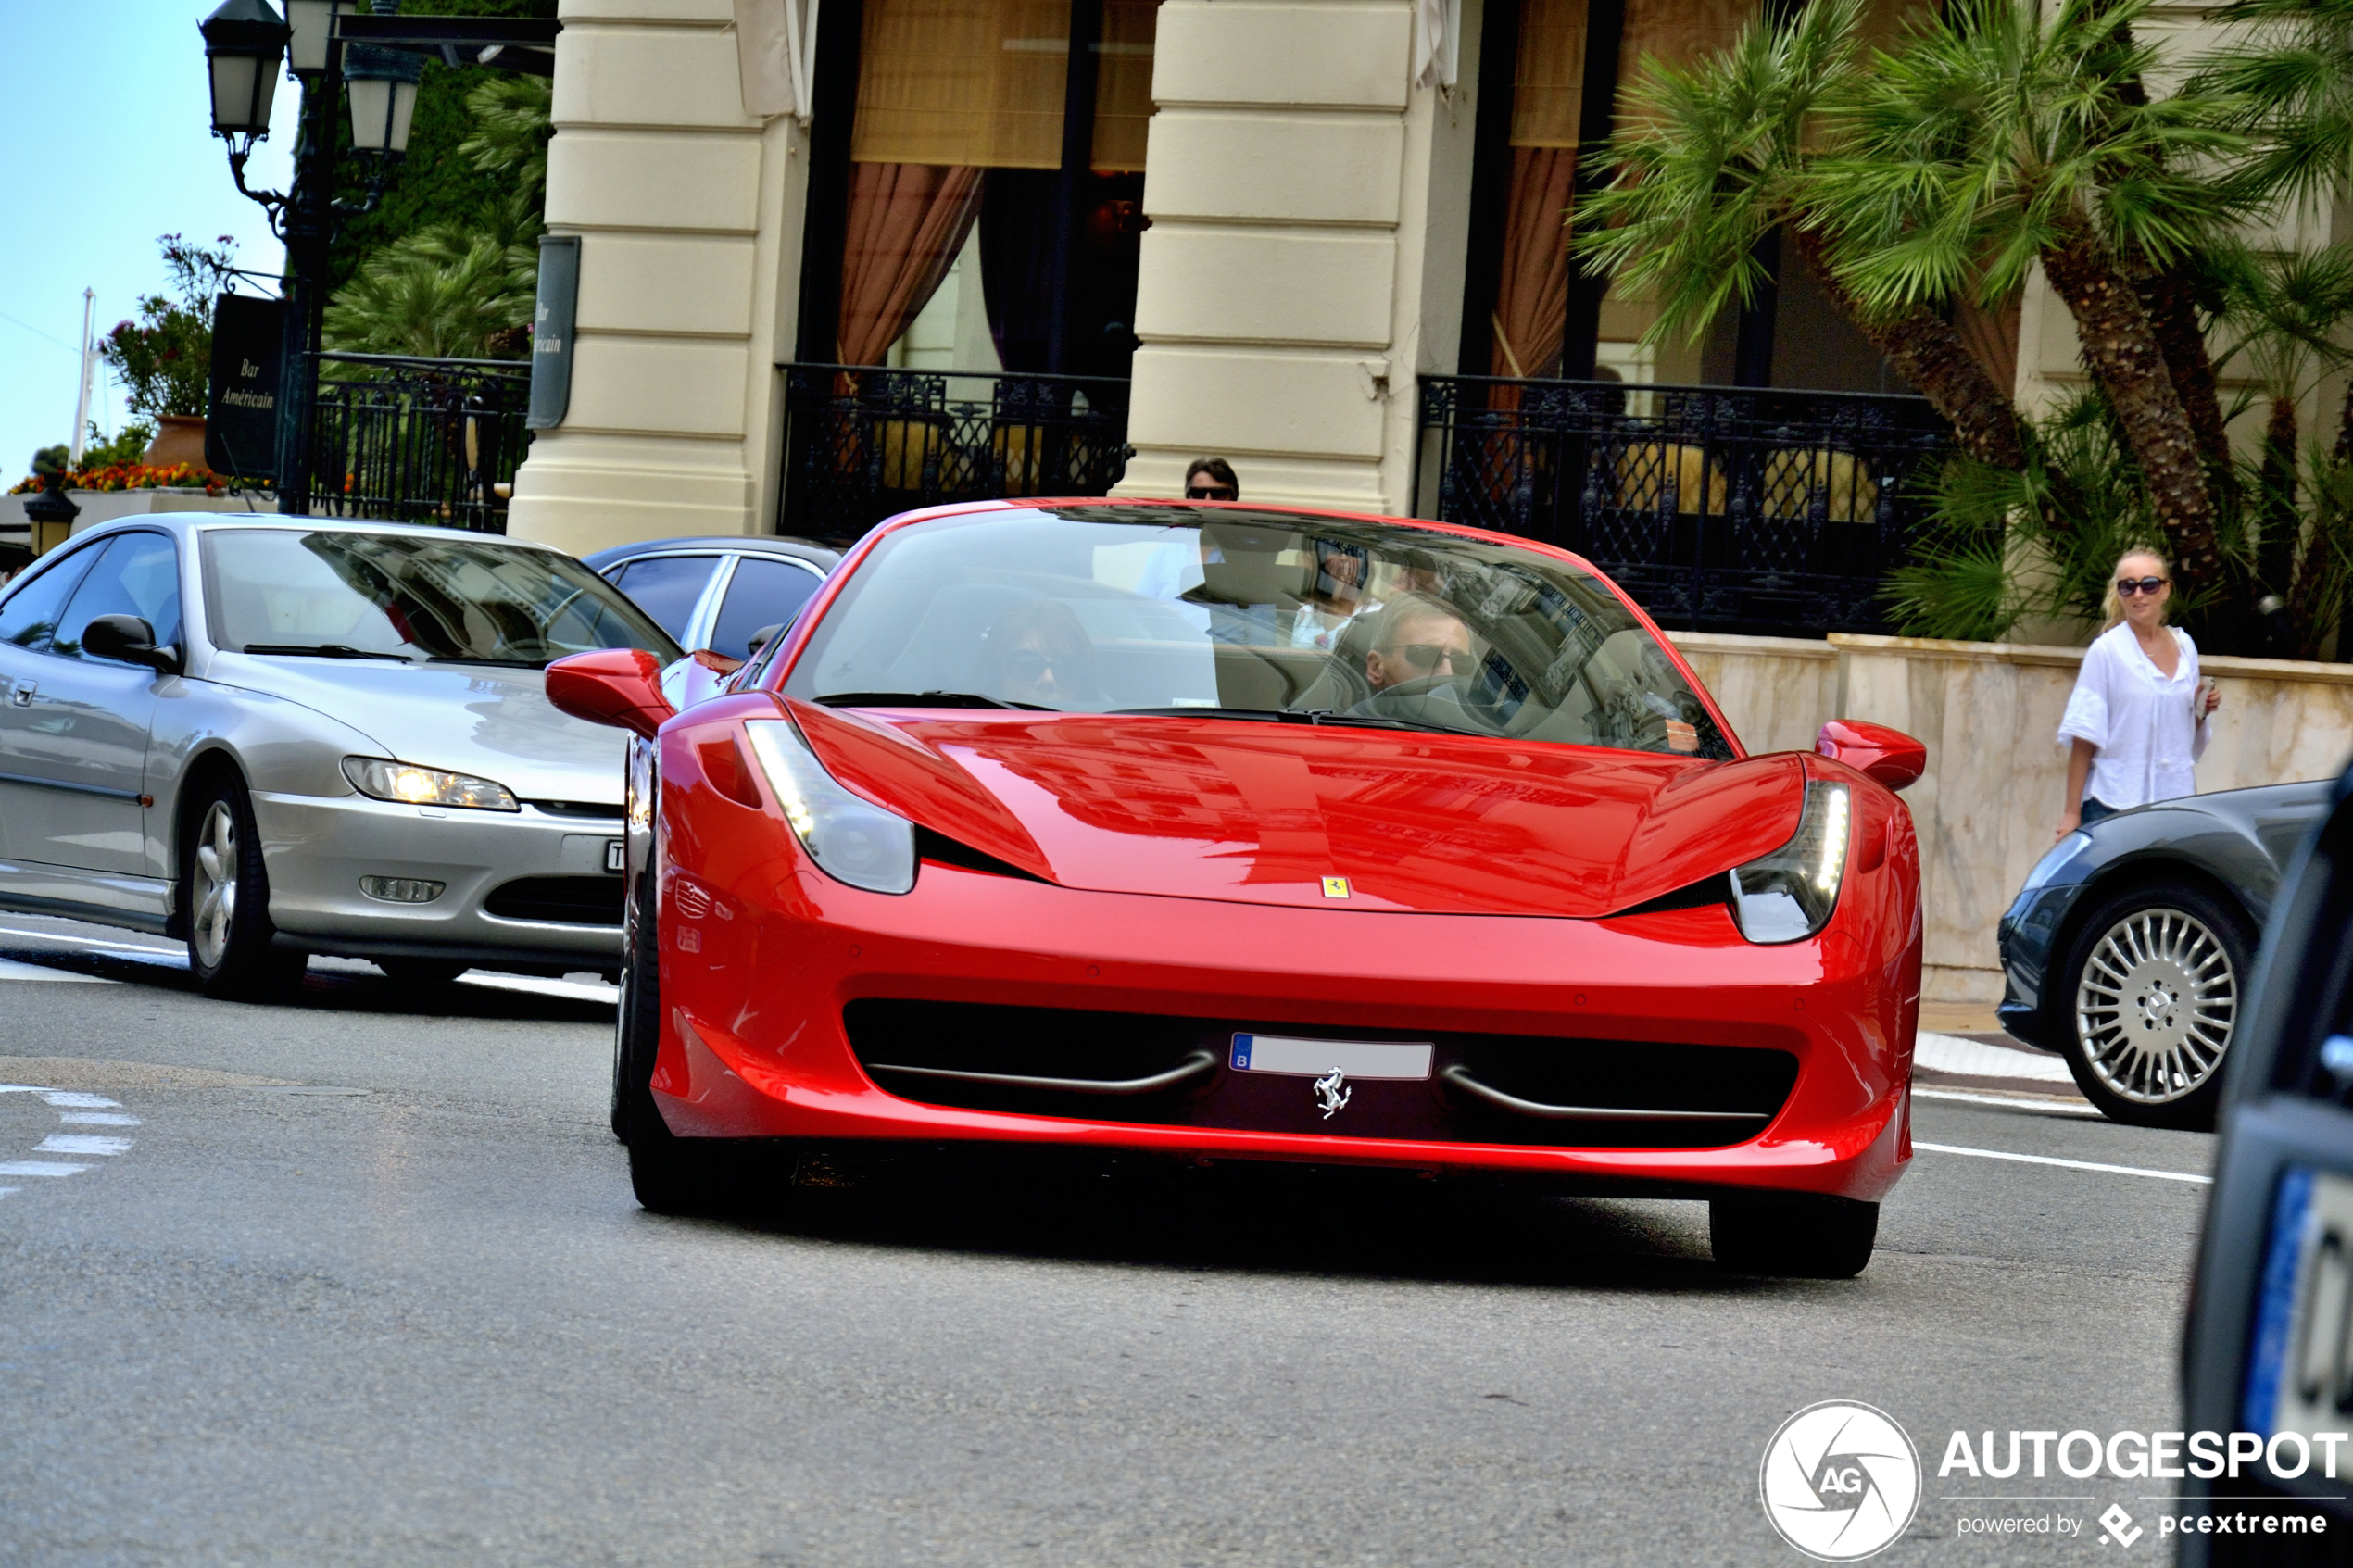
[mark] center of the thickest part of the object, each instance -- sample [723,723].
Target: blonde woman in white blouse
[2136,721]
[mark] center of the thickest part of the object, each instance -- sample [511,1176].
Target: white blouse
[2144,724]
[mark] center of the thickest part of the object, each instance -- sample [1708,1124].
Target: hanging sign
[552,331]
[241,414]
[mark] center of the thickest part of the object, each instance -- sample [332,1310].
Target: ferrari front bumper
[759,962]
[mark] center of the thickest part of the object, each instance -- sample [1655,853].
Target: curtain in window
[907,222]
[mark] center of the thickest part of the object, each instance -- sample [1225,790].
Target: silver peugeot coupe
[281,736]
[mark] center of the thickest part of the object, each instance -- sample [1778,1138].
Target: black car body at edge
[2283,1111]
[2237,843]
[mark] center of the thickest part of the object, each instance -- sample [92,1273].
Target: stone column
[689,218]
[1309,211]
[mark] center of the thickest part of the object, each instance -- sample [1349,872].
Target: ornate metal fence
[862,442]
[1733,509]
[418,439]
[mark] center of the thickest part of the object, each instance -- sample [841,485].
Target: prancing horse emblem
[1332,1093]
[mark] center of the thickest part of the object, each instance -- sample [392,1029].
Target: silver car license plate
[2299,1374]
[613,855]
[1313,1059]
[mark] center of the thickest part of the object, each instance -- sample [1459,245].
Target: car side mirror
[1889,756]
[616,686]
[762,637]
[127,639]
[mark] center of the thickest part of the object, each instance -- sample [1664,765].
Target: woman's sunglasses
[1208,493]
[2127,587]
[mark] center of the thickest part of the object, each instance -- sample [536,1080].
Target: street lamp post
[330,44]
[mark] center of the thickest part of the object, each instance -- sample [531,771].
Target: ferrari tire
[423,973]
[2152,994]
[1801,1235]
[671,1175]
[227,889]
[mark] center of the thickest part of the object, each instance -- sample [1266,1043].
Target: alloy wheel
[216,891]
[2156,1004]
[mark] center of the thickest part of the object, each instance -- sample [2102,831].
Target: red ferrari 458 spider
[1229,832]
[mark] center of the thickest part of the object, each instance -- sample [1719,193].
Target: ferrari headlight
[1788,895]
[851,839]
[412,785]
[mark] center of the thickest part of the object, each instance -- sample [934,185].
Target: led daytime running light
[851,839]
[1790,894]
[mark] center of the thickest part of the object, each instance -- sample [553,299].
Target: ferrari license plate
[613,862]
[1314,1059]
[2298,1373]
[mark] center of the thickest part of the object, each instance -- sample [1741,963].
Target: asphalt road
[360,1280]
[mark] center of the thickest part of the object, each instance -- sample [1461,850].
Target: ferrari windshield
[1278,616]
[411,597]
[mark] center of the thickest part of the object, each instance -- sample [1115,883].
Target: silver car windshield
[410,596]
[1278,616]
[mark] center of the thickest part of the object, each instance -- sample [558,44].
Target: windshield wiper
[485,658]
[1263,715]
[924,699]
[325,651]
[1301,716]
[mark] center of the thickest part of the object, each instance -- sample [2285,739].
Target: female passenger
[2136,720]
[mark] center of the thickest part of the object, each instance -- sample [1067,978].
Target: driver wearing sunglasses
[1418,639]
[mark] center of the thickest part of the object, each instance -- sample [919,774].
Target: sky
[106,143]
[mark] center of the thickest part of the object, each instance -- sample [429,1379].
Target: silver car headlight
[412,785]
[851,839]
[1789,894]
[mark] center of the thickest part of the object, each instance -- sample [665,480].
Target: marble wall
[1988,712]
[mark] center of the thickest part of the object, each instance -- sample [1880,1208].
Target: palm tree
[1998,137]
[2289,82]
[1713,157]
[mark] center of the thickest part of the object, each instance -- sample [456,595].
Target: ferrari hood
[479,719]
[1323,816]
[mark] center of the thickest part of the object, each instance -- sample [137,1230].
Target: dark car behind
[2129,946]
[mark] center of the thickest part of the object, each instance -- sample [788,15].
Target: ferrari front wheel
[671,1175]
[1802,1235]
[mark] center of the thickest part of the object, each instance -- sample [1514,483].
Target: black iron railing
[1735,509]
[418,439]
[862,442]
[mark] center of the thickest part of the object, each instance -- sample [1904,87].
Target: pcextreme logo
[1841,1481]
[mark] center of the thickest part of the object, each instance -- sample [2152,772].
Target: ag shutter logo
[1840,1481]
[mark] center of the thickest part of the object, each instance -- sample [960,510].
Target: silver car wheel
[2154,1006]
[216,890]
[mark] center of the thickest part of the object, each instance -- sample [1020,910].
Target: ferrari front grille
[1182,1072]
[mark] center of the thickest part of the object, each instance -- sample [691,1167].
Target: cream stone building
[1258,224]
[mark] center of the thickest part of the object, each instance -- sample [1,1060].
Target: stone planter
[178,439]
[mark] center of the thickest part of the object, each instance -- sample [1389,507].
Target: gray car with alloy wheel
[2129,948]
[276,737]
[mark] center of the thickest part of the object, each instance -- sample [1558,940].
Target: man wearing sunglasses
[1211,479]
[1419,640]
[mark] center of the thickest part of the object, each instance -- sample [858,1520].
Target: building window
[1526,311]
[964,228]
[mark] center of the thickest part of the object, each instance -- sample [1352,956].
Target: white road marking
[81,1143]
[2014,1102]
[73,941]
[584,990]
[74,1100]
[5,1191]
[11,969]
[98,1119]
[2070,1164]
[39,1168]
[1975,1059]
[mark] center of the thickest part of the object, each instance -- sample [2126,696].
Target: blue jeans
[2094,809]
